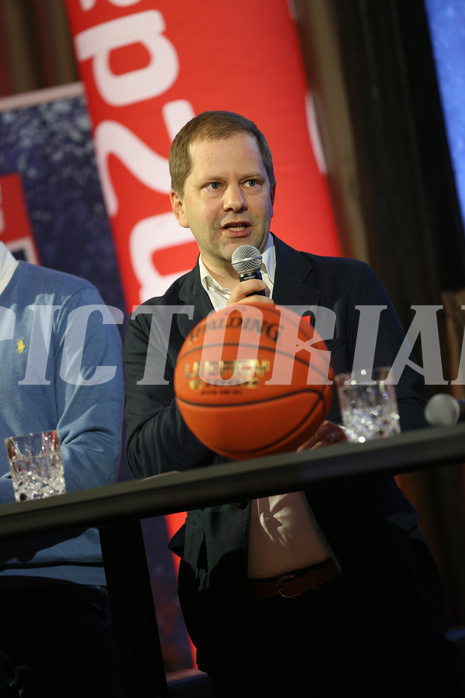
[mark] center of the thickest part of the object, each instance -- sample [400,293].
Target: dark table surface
[117,509]
[178,491]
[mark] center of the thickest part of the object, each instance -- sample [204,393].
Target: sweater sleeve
[88,390]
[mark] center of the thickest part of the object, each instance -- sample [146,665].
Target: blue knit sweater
[60,367]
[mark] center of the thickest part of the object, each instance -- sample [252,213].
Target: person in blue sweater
[60,367]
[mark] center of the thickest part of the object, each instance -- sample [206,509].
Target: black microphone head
[246,258]
[442,410]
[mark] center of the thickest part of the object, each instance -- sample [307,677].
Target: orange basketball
[251,380]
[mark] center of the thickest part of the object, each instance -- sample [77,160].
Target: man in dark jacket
[312,593]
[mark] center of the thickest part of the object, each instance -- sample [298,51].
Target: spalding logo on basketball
[251,380]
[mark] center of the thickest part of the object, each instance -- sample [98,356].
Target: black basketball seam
[308,389]
[282,438]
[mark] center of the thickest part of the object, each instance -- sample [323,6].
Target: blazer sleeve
[157,439]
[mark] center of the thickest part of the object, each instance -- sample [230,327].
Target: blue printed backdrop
[49,145]
[447,28]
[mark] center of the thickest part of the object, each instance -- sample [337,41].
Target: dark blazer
[370,528]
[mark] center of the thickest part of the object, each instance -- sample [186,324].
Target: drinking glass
[368,404]
[35,464]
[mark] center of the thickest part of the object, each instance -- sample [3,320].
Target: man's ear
[178,209]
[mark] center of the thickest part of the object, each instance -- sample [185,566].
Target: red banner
[149,66]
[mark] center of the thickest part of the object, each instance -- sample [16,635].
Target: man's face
[227,199]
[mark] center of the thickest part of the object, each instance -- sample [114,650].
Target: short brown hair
[212,125]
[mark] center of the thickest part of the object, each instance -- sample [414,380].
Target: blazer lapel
[192,293]
[294,282]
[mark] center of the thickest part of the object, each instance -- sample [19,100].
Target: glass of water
[35,464]
[368,404]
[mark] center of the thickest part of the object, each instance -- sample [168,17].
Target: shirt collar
[267,268]
[269,258]
[8,264]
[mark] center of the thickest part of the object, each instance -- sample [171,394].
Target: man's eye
[251,182]
[214,185]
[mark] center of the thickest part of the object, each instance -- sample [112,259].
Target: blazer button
[242,505]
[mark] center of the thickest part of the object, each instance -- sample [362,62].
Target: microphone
[246,261]
[444,410]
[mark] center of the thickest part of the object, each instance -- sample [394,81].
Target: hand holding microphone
[246,261]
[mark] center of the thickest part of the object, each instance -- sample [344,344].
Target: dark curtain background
[369,66]
[35,46]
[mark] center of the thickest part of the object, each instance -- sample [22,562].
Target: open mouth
[236,227]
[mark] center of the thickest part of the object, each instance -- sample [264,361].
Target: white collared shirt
[219,296]
[282,535]
[8,264]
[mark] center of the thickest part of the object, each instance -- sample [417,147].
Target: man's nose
[234,198]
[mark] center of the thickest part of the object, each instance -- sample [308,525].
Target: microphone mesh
[442,409]
[246,258]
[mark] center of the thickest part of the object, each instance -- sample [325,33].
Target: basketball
[251,380]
